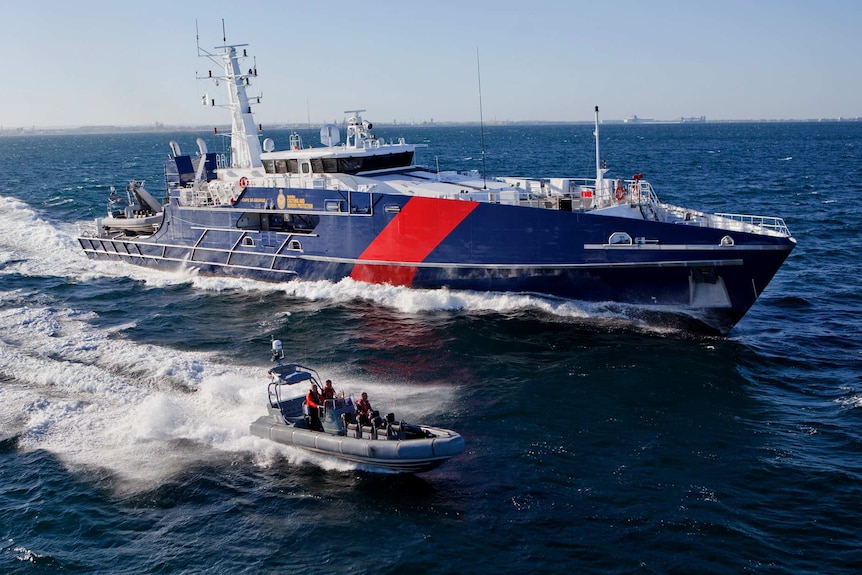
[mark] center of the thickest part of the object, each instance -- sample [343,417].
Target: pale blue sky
[105,62]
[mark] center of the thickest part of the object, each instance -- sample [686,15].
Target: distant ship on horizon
[681,120]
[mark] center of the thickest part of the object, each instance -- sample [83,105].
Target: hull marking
[414,233]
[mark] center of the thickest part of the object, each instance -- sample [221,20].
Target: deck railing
[770,223]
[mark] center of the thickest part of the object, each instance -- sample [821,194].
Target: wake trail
[147,413]
[35,247]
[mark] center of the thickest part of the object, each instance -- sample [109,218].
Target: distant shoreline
[36,130]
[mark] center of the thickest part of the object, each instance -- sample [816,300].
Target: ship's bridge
[362,152]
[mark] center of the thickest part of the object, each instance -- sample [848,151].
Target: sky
[134,63]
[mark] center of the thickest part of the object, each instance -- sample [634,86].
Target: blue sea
[595,442]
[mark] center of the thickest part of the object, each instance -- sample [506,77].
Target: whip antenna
[481,122]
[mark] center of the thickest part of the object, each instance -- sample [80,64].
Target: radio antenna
[197,38]
[223,33]
[481,121]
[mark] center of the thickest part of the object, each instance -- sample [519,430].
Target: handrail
[764,222]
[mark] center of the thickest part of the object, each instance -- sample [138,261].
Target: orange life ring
[243,182]
[620,193]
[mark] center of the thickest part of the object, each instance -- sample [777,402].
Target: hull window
[334,206]
[620,239]
[279,222]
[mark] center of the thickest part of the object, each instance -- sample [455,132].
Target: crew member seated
[363,410]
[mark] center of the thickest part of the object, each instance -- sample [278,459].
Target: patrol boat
[334,430]
[362,209]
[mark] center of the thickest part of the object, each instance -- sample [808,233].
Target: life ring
[620,193]
[243,182]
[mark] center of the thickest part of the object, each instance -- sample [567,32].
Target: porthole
[620,239]
[727,241]
[295,245]
[248,242]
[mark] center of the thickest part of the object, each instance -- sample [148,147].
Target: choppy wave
[142,411]
[594,442]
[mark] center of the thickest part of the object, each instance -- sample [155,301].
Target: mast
[244,142]
[245,147]
[481,121]
[599,171]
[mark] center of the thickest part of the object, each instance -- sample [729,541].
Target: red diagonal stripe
[414,233]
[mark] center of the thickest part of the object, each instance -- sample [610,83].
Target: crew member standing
[328,390]
[312,400]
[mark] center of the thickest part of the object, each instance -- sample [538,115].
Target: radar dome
[330,135]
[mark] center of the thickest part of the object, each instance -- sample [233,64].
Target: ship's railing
[616,192]
[214,194]
[87,230]
[579,194]
[762,223]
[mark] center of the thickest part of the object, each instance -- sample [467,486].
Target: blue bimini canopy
[291,373]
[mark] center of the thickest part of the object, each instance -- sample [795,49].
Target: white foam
[94,400]
[851,402]
[31,246]
[144,412]
[412,300]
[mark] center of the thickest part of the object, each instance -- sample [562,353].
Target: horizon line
[161,126]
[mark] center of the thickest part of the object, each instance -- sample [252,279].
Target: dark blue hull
[433,243]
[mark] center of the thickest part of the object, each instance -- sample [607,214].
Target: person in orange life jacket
[363,409]
[313,401]
[328,390]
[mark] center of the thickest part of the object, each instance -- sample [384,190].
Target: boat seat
[367,431]
[353,430]
[382,433]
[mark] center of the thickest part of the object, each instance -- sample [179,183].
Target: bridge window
[349,165]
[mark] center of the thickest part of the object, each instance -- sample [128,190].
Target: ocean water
[596,443]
